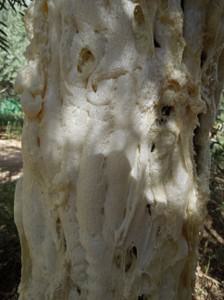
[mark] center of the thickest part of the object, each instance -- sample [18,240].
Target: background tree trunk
[119,98]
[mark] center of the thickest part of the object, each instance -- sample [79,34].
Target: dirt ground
[210,270]
[10,171]
[10,160]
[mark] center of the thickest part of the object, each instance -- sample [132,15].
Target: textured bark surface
[119,98]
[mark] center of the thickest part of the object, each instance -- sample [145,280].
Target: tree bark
[119,98]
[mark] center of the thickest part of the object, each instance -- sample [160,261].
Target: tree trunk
[119,98]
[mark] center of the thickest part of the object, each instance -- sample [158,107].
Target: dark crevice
[203,58]
[139,15]
[58,226]
[153,147]
[148,206]
[38,141]
[85,56]
[162,121]
[94,87]
[60,234]
[182,4]
[197,148]
[156,43]
[130,257]
[128,266]
[134,251]
[78,290]
[64,244]
[118,260]
[166,110]
[164,115]
[142,297]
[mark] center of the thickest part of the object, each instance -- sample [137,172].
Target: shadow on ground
[210,271]
[10,265]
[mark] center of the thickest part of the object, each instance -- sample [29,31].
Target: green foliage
[10,107]
[6,204]
[9,5]
[12,60]
[11,117]
[5,4]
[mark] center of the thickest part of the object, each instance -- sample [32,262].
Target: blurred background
[13,42]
